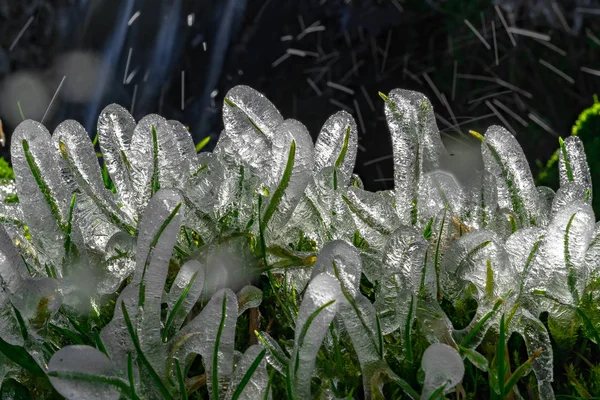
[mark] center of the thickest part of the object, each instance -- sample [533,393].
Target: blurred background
[529,65]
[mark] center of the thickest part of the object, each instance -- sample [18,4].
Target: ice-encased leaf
[115,129]
[319,306]
[346,258]
[401,276]
[44,198]
[76,149]
[249,297]
[275,355]
[244,104]
[401,117]
[292,147]
[559,267]
[250,378]
[12,268]
[443,367]
[210,334]
[546,195]
[120,261]
[82,372]
[572,164]
[522,248]
[337,143]
[438,190]
[480,200]
[504,158]
[567,194]
[184,294]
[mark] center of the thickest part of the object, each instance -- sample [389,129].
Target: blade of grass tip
[21,322]
[215,360]
[21,110]
[383,96]
[307,326]
[563,150]
[233,105]
[285,180]
[248,375]
[118,383]
[270,348]
[70,226]
[589,324]
[342,155]
[410,392]
[181,381]
[288,382]
[176,307]
[134,396]
[500,352]
[99,344]
[269,383]
[520,372]
[166,222]
[138,348]
[202,144]
[95,140]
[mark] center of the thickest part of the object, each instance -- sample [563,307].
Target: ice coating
[249,297]
[330,143]
[443,367]
[256,388]
[115,129]
[185,292]
[47,221]
[504,158]
[567,194]
[438,190]
[401,117]
[78,360]
[319,306]
[578,170]
[347,261]
[12,267]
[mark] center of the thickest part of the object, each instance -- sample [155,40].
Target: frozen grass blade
[283,184]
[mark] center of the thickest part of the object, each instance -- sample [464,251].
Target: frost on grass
[125,278]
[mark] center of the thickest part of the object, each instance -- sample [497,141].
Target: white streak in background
[590,71]
[133,99]
[347,38]
[341,105]
[127,65]
[146,75]
[360,118]
[470,120]
[561,16]
[342,88]
[413,76]
[301,22]
[383,180]
[591,35]
[378,159]
[53,97]
[498,81]
[182,90]
[131,76]
[500,117]
[373,43]
[553,47]
[361,147]
[133,18]
[512,39]
[280,60]
[485,43]
[14,43]
[511,113]
[495,44]
[447,123]
[314,27]
[387,49]
[296,52]
[483,27]
[528,33]
[368,98]
[447,104]
[487,96]
[585,10]
[557,71]
[204,46]
[381,177]
[353,70]
[261,11]
[433,87]
[190,19]
[314,86]
[397,5]
[454,79]
[287,38]
[542,124]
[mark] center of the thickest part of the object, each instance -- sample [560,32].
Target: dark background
[365,45]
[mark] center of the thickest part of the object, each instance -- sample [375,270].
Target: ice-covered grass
[265,270]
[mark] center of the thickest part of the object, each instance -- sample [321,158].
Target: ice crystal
[135,262]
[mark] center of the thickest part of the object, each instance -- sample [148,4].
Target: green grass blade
[180,381]
[118,383]
[563,150]
[438,393]
[136,343]
[306,326]
[285,180]
[21,357]
[589,324]
[342,156]
[288,382]
[480,324]
[436,257]
[154,182]
[202,144]
[20,110]
[248,375]
[166,222]
[407,333]
[215,360]
[520,372]
[500,349]
[130,376]
[176,307]
[269,383]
